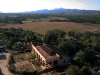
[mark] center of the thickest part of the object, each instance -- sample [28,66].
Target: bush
[12,69]
[10,60]
[31,56]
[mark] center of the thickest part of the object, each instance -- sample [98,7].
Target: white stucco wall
[38,53]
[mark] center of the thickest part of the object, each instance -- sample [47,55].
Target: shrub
[10,60]
[12,69]
[31,56]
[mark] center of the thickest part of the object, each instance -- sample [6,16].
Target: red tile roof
[44,54]
[49,51]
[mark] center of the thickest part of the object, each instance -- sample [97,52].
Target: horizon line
[47,9]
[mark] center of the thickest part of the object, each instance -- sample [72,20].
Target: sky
[33,5]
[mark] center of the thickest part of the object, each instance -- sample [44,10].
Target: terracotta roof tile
[44,54]
[49,51]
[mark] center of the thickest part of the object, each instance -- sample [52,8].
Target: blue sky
[30,5]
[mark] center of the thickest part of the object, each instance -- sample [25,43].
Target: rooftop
[49,51]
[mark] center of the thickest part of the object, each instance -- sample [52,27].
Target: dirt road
[3,63]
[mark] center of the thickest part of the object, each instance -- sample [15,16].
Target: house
[49,56]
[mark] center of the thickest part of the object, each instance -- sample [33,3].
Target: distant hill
[65,11]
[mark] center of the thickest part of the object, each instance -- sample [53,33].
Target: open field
[42,27]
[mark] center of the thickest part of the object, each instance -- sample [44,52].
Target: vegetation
[21,68]
[82,47]
[54,36]
[78,16]
[31,56]
[17,38]
[84,19]
[74,70]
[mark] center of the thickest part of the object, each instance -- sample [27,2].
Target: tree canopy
[54,36]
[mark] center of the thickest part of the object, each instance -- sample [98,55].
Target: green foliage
[84,19]
[85,71]
[91,40]
[11,60]
[12,20]
[75,35]
[74,16]
[12,69]
[73,70]
[31,56]
[8,45]
[11,36]
[85,47]
[70,46]
[54,36]
[84,57]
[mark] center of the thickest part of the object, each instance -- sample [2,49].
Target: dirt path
[3,63]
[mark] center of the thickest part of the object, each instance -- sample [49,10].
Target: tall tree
[70,46]
[73,70]
[54,36]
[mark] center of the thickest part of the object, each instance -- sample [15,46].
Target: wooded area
[19,18]
[85,47]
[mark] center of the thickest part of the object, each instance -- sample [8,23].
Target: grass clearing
[42,27]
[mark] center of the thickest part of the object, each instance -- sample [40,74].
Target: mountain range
[62,11]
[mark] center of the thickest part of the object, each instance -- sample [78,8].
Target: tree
[70,46]
[29,36]
[54,36]
[85,71]
[74,34]
[73,70]
[84,57]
